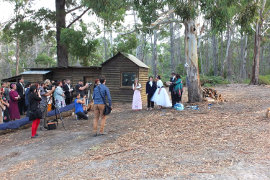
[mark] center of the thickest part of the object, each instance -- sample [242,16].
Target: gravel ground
[229,141]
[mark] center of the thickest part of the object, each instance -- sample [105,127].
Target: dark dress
[13,105]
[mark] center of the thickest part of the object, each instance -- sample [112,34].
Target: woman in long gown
[161,96]
[137,100]
[13,103]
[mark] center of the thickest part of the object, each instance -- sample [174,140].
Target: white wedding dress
[161,99]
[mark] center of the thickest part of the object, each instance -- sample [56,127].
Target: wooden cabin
[120,72]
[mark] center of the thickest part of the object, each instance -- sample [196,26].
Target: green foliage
[186,10]
[219,13]
[212,80]
[247,15]
[44,59]
[265,80]
[148,11]
[24,31]
[110,11]
[78,43]
[181,69]
[126,43]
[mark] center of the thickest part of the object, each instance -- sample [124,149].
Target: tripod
[56,112]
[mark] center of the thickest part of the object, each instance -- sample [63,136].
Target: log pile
[209,93]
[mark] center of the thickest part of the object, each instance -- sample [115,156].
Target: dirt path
[229,141]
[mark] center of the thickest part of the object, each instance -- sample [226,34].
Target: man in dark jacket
[68,89]
[171,87]
[21,92]
[151,87]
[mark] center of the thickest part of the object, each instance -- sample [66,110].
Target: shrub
[209,81]
[264,80]
[213,80]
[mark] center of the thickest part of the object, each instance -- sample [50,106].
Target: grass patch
[263,80]
[209,81]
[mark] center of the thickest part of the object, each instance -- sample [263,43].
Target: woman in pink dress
[137,100]
[13,103]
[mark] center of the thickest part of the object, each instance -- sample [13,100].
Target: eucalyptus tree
[148,13]
[255,15]
[187,12]
[20,29]
[112,14]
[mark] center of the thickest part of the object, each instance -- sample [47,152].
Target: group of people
[17,99]
[157,94]
[36,99]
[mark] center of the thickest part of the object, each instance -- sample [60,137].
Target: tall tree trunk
[256,57]
[229,33]
[105,42]
[17,56]
[201,59]
[206,61]
[257,44]
[221,53]
[262,61]
[172,48]
[154,53]
[111,42]
[244,58]
[62,53]
[193,76]
[140,47]
[230,64]
[215,54]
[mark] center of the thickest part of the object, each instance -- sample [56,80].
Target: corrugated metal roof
[135,60]
[130,57]
[35,72]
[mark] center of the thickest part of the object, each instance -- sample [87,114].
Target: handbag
[107,109]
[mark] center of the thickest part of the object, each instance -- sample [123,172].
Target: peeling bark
[194,86]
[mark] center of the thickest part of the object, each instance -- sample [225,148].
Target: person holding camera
[34,99]
[45,92]
[99,96]
[80,88]
[81,114]
[59,96]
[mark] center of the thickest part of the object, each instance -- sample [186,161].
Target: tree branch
[130,32]
[164,22]
[77,18]
[162,17]
[74,9]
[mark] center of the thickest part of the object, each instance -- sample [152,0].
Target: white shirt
[151,83]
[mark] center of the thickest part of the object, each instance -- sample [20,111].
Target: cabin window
[128,79]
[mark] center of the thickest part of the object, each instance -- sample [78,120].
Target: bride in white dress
[161,96]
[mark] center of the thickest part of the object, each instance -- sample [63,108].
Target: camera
[89,83]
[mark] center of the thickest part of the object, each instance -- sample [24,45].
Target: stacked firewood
[212,93]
